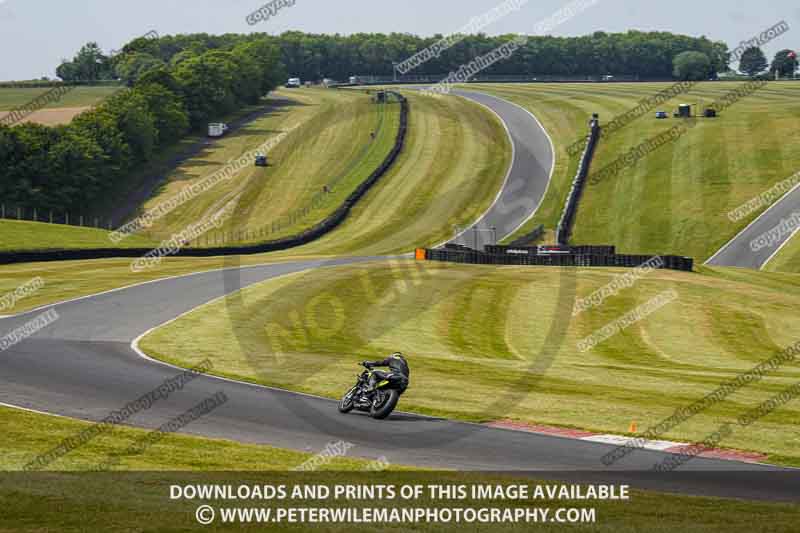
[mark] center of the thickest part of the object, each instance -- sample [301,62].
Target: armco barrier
[474,257]
[325,226]
[564,230]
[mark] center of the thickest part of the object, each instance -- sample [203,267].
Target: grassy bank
[448,174]
[320,136]
[24,235]
[676,199]
[787,259]
[479,337]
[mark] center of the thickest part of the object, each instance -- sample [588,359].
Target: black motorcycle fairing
[362,398]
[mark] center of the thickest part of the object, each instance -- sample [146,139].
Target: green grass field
[28,434]
[138,501]
[676,199]
[453,164]
[24,235]
[787,259]
[78,97]
[327,138]
[477,335]
[450,170]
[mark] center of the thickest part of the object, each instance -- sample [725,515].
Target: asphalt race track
[84,366]
[739,252]
[527,181]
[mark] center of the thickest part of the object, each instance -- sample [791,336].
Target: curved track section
[754,247]
[528,177]
[84,366]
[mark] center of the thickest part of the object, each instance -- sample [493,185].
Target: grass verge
[24,235]
[137,496]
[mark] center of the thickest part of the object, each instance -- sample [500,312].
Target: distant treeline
[316,56]
[651,54]
[74,167]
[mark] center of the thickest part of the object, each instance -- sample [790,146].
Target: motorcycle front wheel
[384,404]
[348,402]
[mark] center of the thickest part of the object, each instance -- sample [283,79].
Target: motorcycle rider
[397,365]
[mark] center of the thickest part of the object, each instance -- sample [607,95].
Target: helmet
[398,354]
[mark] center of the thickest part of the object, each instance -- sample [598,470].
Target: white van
[217,129]
[293,83]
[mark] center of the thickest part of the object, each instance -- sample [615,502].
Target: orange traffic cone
[632,428]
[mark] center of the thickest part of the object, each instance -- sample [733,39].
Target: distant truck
[354,80]
[294,83]
[217,129]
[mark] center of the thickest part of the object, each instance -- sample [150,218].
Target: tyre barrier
[320,229]
[550,250]
[564,230]
[474,257]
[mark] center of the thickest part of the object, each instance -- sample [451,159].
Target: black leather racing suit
[396,363]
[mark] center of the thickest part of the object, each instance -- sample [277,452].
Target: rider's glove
[367,364]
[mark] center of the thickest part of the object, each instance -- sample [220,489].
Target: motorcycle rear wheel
[385,408]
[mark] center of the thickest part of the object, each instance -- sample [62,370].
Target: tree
[785,63]
[76,172]
[207,85]
[67,71]
[171,118]
[720,57]
[89,64]
[135,121]
[100,125]
[268,55]
[32,173]
[180,57]
[132,66]
[753,61]
[161,76]
[693,66]
[247,81]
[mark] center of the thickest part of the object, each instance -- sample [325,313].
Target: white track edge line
[781,247]
[759,217]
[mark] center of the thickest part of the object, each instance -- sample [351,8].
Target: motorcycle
[381,402]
